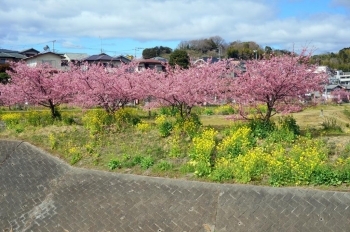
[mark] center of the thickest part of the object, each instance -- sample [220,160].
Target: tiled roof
[150,61]
[12,55]
[76,56]
[160,59]
[29,49]
[8,51]
[40,54]
[100,57]
[122,58]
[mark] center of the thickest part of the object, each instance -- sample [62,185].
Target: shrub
[137,160]
[281,135]
[260,128]
[146,162]
[324,175]
[250,166]
[296,164]
[143,126]
[237,142]
[125,116]
[203,146]
[19,128]
[96,121]
[113,164]
[11,119]
[289,123]
[168,111]
[223,170]
[208,111]
[164,125]
[190,125]
[68,118]
[330,125]
[175,145]
[224,110]
[202,169]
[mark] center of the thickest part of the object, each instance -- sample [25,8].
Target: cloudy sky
[126,27]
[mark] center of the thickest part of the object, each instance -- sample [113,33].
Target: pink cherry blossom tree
[340,95]
[280,83]
[109,88]
[40,85]
[186,88]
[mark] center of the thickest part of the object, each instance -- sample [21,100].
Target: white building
[51,58]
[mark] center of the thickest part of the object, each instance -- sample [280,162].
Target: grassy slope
[121,144]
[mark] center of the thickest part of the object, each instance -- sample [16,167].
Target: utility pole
[256,54]
[101,44]
[53,45]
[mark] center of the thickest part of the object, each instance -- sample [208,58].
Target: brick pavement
[39,192]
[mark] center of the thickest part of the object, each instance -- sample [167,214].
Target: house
[329,89]
[107,60]
[122,59]
[10,56]
[150,64]
[73,57]
[51,58]
[342,77]
[29,52]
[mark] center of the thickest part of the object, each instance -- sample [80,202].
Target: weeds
[245,152]
[330,125]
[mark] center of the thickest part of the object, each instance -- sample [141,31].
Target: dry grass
[308,118]
[312,117]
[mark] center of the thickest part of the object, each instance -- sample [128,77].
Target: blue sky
[127,27]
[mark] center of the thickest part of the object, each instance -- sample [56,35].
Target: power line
[25,46]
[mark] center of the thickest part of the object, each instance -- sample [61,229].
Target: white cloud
[37,21]
[345,3]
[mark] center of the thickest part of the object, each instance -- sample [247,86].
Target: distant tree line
[156,51]
[216,46]
[336,61]
[214,43]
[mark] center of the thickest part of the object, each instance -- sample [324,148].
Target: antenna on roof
[46,48]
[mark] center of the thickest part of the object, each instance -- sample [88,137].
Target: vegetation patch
[277,153]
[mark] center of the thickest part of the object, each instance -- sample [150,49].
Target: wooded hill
[216,46]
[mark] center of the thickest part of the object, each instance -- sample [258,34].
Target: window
[64,63]
[50,62]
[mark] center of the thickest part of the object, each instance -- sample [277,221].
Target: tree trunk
[54,112]
[268,113]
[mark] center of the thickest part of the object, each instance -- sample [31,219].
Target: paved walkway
[41,193]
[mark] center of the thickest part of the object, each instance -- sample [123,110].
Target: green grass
[129,150]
